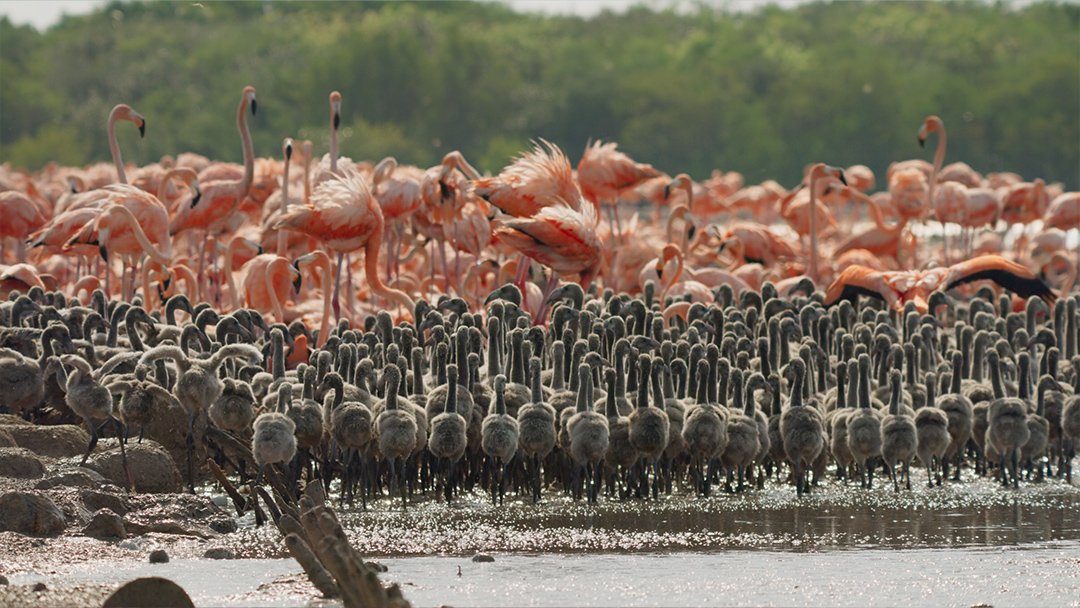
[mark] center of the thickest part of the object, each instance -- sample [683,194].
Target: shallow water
[1021,575]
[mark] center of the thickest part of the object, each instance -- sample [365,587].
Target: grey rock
[151,466]
[223,525]
[20,463]
[159,556]
[71,478]
[39,587]
[30,513]
[219,553]
[482,558]
[3,580]
[54,441]
[6,440]
[105,524]
[102,500]
[150,592]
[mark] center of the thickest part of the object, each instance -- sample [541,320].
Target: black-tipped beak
[723,246]
[167,282]
[660,269]
[260,250]
[288,153]
[254,106]
[297,282]
[337,121]
[444,189]
[142,129]
[922,142]
[667,192]
[195,199]
[843,178]
[161,293]
[104,253]
[691,231]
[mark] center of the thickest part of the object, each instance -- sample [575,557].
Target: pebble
[219,553]
[39,587]
[221,500]
[3,580]
[483,558]
[159,556]
[376,566]
[105,524]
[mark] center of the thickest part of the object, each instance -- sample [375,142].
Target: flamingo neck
[281,237]
[371,266]
[333,143]
[148,247]
[813,226]
[467,169]
[271,270]
[249,150]
[230,254]
[184,273]
[877,214]
[939,160]
[114,147]
[307,178]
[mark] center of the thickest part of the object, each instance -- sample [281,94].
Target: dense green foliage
[763,93]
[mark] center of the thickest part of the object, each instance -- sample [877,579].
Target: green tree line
[761,92]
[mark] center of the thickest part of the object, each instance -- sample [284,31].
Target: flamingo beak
[254,106]
[104,253]
[142,128]
[288,153]
[922,141]
[297,282]
[198,195]
[667,192]
[843,178]
[259,248]
[337,120]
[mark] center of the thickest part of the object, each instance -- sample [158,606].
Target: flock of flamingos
[608,330]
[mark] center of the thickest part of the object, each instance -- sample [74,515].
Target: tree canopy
[762,92]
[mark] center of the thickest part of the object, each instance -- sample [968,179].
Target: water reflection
[841,518]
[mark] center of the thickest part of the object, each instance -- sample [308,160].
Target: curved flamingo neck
[271,271]
[185,175]
[114,147]
[468,170]
[148,247]
[323,264]
[371,264]
[333,138]
[307,173]
[877,214]
[184,273]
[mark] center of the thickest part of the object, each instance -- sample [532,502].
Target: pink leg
[553,282]
[336,304]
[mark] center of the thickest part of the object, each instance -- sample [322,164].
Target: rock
[39,587]
[221,500]
[56,441]
[150,592]
[219,553]
[10,420]
[20,463]
[223,525]
[482,558]
[71,478]
[6,440]
[159,556]
[105,524]
[3,580]
[152,467]
[103,500]
[376,566]
[30,513]
[168,427]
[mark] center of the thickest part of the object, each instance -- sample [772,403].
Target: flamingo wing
[1006,273]
[857,281]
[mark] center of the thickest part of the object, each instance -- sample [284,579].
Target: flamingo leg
[337,287]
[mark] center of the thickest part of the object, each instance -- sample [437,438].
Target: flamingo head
[681,180]
[287,149]
[821,170]
[931,124]
[249,97]
[335,109]
[124,112]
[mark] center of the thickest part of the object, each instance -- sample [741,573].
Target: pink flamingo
[346,217]
[605,174]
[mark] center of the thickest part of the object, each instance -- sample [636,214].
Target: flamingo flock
[509,336]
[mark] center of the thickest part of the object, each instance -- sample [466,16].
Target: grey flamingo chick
[499,438]
[899,438]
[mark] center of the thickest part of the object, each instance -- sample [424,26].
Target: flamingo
[122,112]
[346,217]
[220,197]
[605,174]
[21,217]
[817,172]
